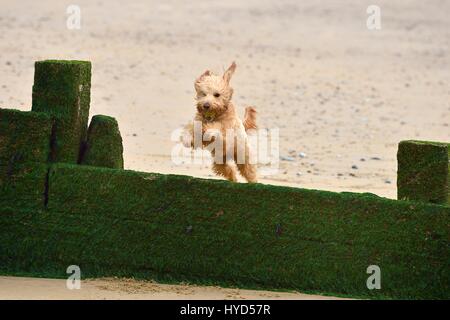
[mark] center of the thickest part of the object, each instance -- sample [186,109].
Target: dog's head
[214,93]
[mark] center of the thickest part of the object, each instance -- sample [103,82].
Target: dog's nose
[206,105]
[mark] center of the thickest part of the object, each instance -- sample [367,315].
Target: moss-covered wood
[62,89]
[23,186]
[124,223]
[103,147]
[24,136]
[423,171]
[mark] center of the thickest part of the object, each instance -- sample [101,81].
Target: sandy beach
[341,95]
[19,288]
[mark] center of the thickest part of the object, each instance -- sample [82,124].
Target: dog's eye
[202,94]
[216,95]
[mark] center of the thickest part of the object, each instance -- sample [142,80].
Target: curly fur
[216,111]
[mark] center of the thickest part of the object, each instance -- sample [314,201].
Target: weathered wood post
[62,89]
[24,151]
[423,171]
[103,147]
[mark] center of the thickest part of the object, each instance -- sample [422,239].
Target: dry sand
[17,288]
[340,93]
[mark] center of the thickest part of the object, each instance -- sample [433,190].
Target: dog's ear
[204,74]
[227,75]
[199,79]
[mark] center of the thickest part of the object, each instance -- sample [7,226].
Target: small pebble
[287,158]
[299,174]
[302,155]
[362,159]
[355,167]
[387,181]
[375,158]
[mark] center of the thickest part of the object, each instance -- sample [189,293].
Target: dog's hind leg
[248,171]
[225,170]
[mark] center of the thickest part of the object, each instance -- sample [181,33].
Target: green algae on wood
[62,89]
[24,150]
[247,234]
[103,147]
[24,136]
[423,171]
[23,185]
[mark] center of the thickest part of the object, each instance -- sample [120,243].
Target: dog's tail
[250,119]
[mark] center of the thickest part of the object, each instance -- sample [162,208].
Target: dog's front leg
[187,137]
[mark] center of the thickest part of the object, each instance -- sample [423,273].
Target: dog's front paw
[186,140]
